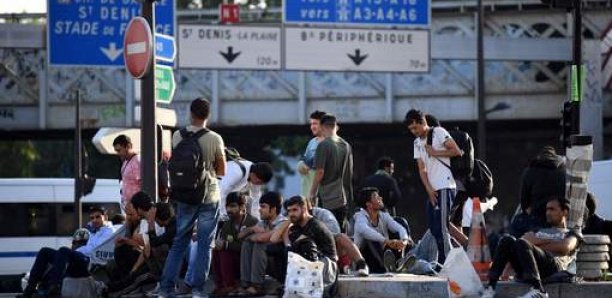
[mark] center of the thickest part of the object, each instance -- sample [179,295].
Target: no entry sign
[138,47]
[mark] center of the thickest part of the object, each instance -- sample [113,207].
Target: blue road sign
[165,47]
[413,13]
[90,32]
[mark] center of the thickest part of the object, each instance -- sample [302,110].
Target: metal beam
[500,48]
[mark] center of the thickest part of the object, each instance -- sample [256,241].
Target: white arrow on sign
[112,52]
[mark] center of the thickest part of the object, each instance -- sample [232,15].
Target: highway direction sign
[414,13]
[90,33]
[229,47]
[164,84]
[165,47]
[357,50]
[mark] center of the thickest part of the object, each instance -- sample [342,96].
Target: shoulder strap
[242,167]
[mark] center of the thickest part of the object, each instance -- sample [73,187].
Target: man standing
[204,211]
[538,255]
[306,164]
[311,239]
[332,183]
[433,159]
[385,183]
[131,182]
[246,177]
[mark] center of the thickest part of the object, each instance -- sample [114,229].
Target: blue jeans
[186,216]
[438,218]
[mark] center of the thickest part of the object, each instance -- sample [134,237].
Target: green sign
[577,81]
[164,84]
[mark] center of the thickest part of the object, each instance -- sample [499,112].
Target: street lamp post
[480,87]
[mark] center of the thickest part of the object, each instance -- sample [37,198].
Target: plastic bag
[304,278]
[462,278]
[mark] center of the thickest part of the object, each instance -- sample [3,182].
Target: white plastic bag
[462,278]
[304,278]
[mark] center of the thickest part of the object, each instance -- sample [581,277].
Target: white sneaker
[488,293]
[535,293]
[363,271]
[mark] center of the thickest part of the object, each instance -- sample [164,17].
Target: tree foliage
[17,159]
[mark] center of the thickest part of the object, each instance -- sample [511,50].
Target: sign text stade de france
[90,32]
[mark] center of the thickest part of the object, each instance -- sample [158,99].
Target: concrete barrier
[392,286]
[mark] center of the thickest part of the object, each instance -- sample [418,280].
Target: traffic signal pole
[577,70]
[148,134]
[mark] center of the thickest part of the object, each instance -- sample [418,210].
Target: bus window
[44,219]
[23,220]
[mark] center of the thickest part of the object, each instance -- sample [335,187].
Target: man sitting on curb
[72,262]
[372,227]
[344,244]
[254,259]
[226,255]
[539,255]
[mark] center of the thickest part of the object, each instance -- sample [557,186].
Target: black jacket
[387,187]
[545,177]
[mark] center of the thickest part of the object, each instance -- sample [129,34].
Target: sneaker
[389,261]
[535,293]
[362,269]
[488,293]
[197,294]
[154,292]
[406,263]
[183,289]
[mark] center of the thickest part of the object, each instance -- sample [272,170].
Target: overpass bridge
[527,47]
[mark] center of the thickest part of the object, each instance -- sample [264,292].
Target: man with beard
[257,241]
[310,238]
[226,254]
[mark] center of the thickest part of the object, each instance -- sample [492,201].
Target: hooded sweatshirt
[543,178]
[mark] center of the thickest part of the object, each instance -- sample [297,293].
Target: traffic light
[560,3]
[566,124]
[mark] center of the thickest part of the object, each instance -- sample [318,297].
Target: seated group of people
[246,248]
[141,241]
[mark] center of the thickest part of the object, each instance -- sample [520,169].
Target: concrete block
[515,289]
[392,286]
[586,289]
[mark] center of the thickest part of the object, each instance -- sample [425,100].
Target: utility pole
[148,134]
[480,84]
[78,164]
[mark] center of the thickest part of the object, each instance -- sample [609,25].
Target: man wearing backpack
[434,169]
[248,177]
[198,159]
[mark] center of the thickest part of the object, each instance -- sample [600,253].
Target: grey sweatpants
[253,262]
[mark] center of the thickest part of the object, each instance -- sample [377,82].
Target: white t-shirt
[234,180]
[439,175]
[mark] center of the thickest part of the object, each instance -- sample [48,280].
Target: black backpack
[232,154]
[188,180]
[480,184]
[461,166]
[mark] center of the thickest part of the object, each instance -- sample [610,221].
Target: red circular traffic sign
[138,47]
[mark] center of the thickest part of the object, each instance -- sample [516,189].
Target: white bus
[36,213]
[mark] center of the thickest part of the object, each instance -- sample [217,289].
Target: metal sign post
[148,166]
